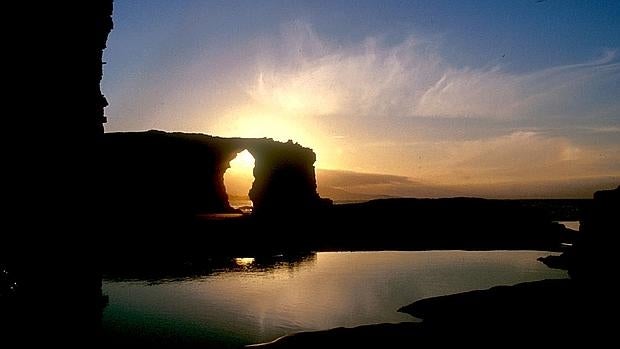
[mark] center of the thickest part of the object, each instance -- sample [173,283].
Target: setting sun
[259,121]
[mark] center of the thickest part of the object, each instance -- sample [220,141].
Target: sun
[282,117]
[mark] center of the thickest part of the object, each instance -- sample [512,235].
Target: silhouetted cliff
[49,249]
[155,173]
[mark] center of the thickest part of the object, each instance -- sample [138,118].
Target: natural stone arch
[183,173]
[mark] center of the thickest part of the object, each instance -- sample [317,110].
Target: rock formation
[591,255]
[49,256]
[589,259]
[157,173]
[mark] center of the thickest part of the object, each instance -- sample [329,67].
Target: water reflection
[208,266]
[244,261]
[572,225]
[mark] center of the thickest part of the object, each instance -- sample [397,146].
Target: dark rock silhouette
[526,313]
[548,312]
[49,252]
[589,260]
[157,173]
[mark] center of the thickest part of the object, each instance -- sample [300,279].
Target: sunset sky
[400,98]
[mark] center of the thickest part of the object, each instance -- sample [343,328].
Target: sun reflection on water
[244,261]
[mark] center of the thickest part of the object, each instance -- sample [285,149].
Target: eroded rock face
[284,176]
[156,172]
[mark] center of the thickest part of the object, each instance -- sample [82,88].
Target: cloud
[350,185]
[321,78]
[532,156]
[517,156]
[305,74]
[356,186]
[562,91]
[341,179]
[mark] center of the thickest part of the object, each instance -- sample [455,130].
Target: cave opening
[238,180]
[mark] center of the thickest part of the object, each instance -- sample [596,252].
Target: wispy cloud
[307,74]
[350,185]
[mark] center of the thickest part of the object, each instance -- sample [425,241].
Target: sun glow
[239,177]
[290,107]
[259,121]
[243,160]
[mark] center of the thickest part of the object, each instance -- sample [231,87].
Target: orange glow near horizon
[280,124]
[239,177]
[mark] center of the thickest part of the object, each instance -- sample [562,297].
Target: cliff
[49,256]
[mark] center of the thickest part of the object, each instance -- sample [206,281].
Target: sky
[397,98]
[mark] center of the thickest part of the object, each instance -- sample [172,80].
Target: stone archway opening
[238,180]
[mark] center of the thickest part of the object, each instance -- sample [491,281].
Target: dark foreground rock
[549,312]
[397,335]
[592,258]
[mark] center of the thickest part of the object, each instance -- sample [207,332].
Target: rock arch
[168,173]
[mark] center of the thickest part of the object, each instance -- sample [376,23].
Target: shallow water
[254,302]
[573,225]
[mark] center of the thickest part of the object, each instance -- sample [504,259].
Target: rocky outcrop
[527,313]
[589,259]
[49,253]
[284,177]
[159,173]
[547,312]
